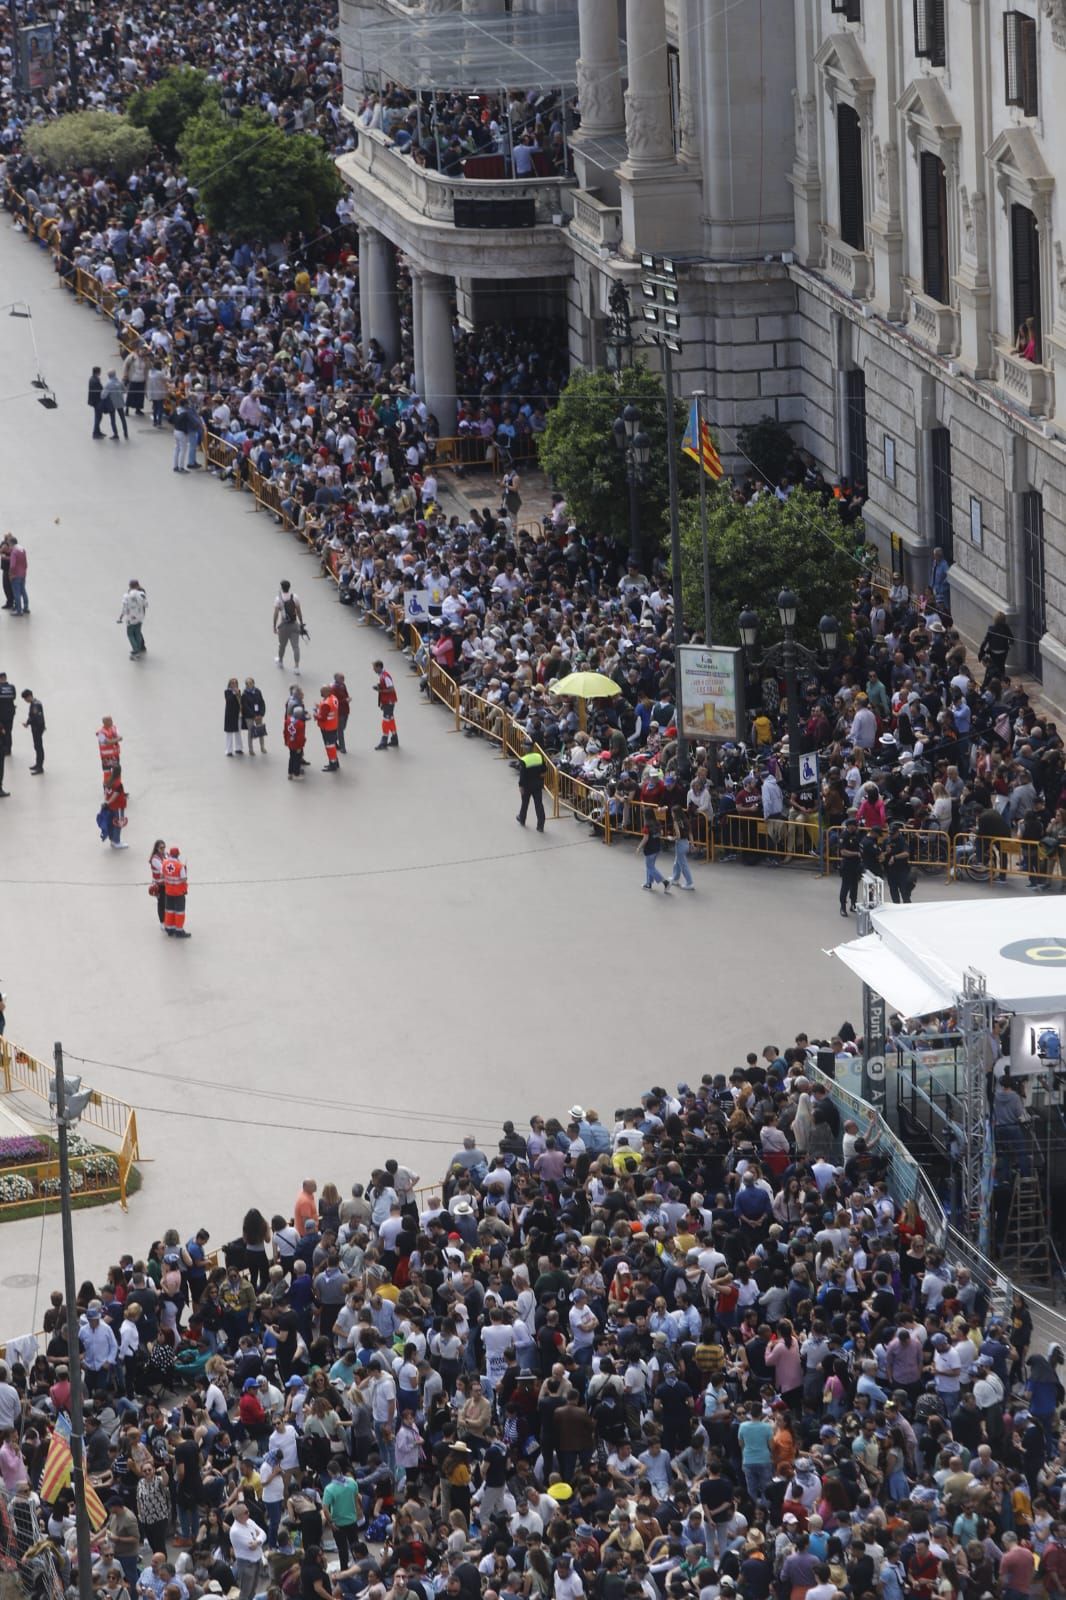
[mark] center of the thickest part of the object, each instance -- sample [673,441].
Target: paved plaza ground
[380,961]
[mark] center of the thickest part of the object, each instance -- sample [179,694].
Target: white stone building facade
[861,198]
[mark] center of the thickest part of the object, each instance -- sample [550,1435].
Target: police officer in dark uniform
[35,722]
[850,864]
[8,702]
[898,865]
[872,851]
[531,770]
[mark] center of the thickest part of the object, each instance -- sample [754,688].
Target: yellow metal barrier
[993,860]
[930,849]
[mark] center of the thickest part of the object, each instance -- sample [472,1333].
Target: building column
[382,305]
[416,332]
[438,350]
[364,287]
[599,80]
[649,135]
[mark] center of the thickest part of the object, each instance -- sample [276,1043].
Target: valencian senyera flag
[705,452]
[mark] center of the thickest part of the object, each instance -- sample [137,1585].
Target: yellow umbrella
[585,686]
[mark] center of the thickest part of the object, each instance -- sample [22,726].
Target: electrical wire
[274,1094]
[289,1127]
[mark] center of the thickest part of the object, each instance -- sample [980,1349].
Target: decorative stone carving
[1055,11]
[804,106]
[597,96]
[1060,273]
[968,228]
[886,165]
[978,206]
[649,139]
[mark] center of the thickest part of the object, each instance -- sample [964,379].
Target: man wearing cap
[99,1349]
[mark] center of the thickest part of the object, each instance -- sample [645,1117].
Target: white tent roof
[917,956]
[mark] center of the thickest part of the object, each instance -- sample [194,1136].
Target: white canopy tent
[917,956]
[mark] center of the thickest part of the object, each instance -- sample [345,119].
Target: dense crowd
[520,135]
[694,1350]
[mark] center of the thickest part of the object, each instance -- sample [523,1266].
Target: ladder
[1026,1249]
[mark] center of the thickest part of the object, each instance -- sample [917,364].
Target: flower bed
[91,1172]
[16,1152]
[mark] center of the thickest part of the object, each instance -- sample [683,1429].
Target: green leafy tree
[577,449]
[768,446]
[255,181]
[97,139]
[758,550]
[169,105]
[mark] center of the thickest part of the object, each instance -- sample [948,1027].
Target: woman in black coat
[253,712]
[232,720]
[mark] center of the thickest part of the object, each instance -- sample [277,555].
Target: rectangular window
[849,178]
[855,407]
[1025,278]
[1034,596]
[929,38]
[940,467]
[934,197]
[1020,61]
[850,10]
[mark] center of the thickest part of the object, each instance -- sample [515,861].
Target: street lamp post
[635,446]
[789,656]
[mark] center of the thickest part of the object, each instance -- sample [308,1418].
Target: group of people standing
[111,817]
[245,713]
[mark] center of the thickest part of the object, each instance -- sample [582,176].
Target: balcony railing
[1030,386]
[595,221]
[851,268]
[934,325]
[433,195]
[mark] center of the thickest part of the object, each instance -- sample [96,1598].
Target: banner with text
[712,692]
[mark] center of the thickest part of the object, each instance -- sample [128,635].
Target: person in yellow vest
[531,770]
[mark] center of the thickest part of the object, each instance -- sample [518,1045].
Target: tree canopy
[758,550]
[253,180]
[169,105]
[98,139]
[577,449]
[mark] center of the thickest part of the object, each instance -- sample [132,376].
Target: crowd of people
[521,135]
[695,1350]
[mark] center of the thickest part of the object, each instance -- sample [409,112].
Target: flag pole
[699,397]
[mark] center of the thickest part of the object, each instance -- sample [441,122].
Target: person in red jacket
[175,886]
[115,803]
[385,688]
[327,715]
[295,739]
[344,706]
[253,1418]
[110,742]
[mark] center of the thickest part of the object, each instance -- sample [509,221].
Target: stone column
[438,350]
[416,332]
[649,136]
[382,306]
[364,287]
[599,81]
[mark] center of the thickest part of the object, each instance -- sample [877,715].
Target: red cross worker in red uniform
[175,887]
[327,715]
[386,693]
[110,742]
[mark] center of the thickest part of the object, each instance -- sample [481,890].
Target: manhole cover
[20,1280]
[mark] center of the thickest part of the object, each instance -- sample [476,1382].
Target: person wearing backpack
[288,621]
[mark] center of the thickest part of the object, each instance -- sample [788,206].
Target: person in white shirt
[248,1542]
[283,1441]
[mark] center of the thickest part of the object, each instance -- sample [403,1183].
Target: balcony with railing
[934,325]
[1029,385]
[852,269]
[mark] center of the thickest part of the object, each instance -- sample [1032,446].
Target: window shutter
[849,176]
[921,27]
[934,228]
[1027,62]
[936,37]
[1010,58]
[1025,267]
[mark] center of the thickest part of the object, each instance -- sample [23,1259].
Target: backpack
[288,606]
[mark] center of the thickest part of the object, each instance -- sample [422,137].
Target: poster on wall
[37,56]
[712,692]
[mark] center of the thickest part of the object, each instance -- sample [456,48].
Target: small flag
[705,453]
[95,1507]
[57,1469]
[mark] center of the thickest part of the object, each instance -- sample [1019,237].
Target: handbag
[258,728]
[153,890]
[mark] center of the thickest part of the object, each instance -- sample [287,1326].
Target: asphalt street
[381,961]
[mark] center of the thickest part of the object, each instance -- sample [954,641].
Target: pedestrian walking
[96,400]
[386,693]
[182,425]
[850,865]
[295,736]
[114,396]
[231,722]
[8,704]
[133,613]
[327,715]
[35,722]
[531,768]
[6,546]
[344,707]
[109,741]
[253,712]
[649,844]
[288,623]
[157,887]
[176,889]
[681,874]
[135,374]
[112,815]
[17,566]
[156,390]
